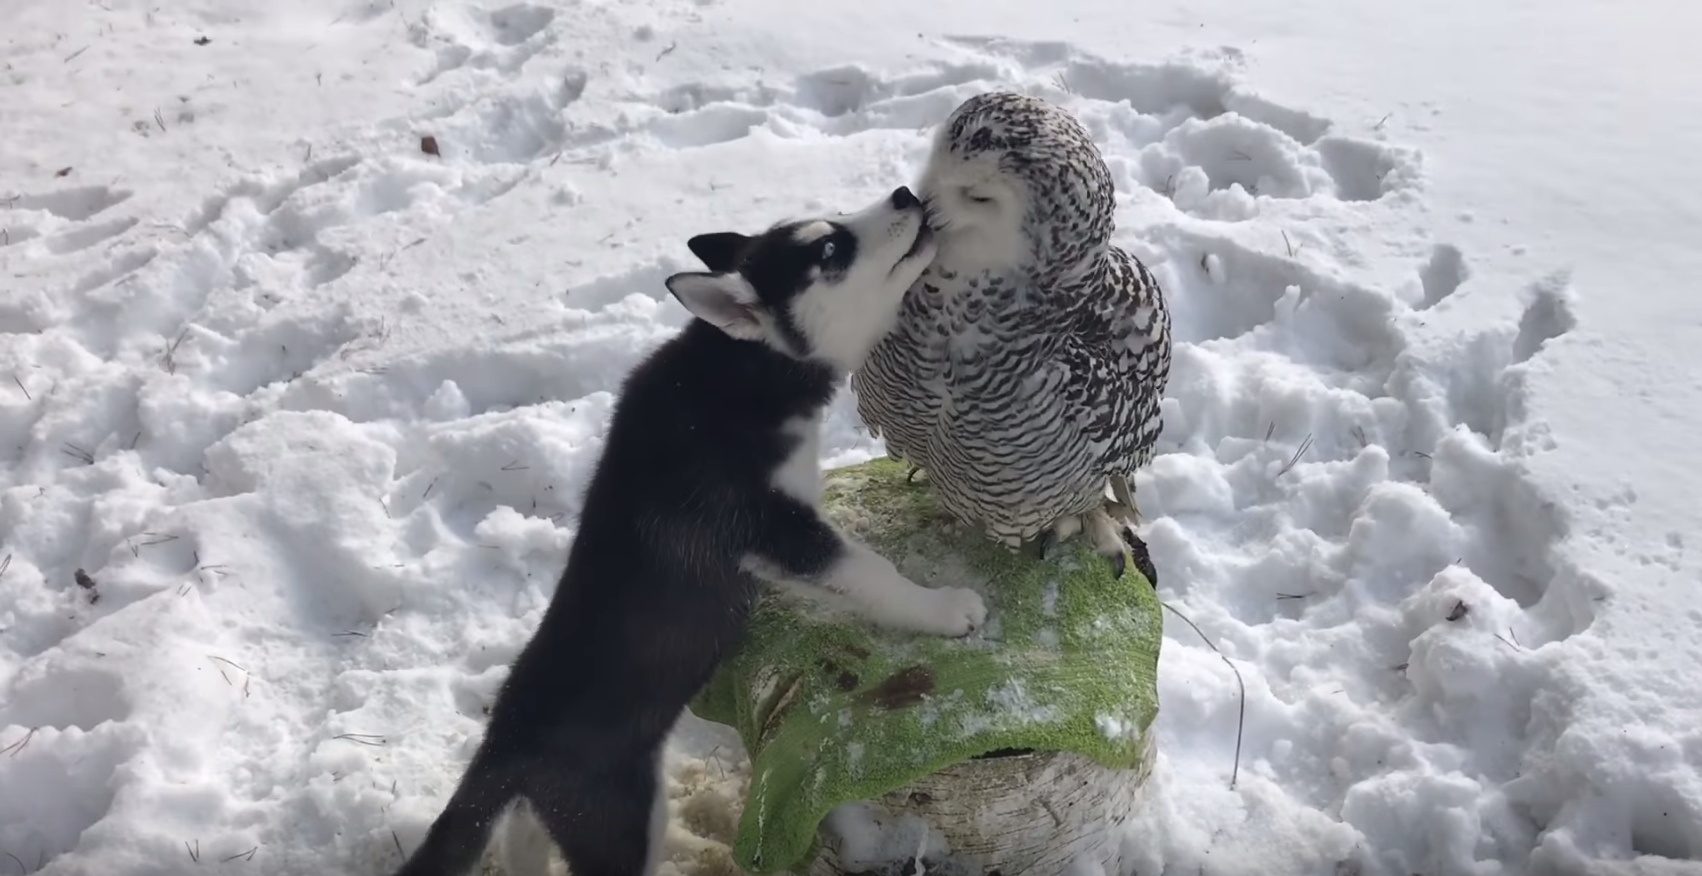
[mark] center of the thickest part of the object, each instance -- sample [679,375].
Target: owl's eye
[971,195]
[827,250]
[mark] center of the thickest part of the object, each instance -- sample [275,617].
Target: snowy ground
[293,415]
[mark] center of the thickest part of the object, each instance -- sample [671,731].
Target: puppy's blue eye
[827,251]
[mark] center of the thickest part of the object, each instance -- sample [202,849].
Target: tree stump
[1028,813]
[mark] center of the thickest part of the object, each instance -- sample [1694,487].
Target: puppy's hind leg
[457,839]
[658,820]
[609,822]
[526,845]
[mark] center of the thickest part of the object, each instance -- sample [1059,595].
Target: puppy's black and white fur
[707,488]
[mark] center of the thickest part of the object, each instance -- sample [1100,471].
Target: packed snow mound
[313,316]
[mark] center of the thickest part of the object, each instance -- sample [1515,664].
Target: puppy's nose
[904,199]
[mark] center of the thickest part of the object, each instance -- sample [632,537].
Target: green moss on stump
[833,709]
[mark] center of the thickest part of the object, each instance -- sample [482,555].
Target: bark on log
[1029,814]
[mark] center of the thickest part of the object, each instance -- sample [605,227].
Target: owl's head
[1015,182]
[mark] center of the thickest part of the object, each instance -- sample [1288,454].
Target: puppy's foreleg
[885,596]
[802,548]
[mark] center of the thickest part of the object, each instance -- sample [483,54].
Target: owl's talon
[1142,556]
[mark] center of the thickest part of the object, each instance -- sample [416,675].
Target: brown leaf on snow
[428,145]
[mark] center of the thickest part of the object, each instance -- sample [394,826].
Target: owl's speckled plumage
[1027,364]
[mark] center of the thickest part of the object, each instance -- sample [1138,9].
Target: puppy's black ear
[719,251]
[723,300]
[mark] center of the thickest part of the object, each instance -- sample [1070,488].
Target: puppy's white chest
[799,474]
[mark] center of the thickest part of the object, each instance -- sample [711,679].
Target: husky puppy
[707,489]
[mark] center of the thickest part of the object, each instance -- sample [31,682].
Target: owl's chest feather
[959,320]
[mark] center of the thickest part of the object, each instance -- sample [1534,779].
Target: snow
[310,408]
[868,839]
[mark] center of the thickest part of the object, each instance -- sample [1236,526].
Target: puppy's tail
[457,839]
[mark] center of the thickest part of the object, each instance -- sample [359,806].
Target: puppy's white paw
[954,612]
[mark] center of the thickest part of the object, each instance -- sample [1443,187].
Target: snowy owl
[1026,368]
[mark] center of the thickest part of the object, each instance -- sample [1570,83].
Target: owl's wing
[1115,346]
[896,389]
